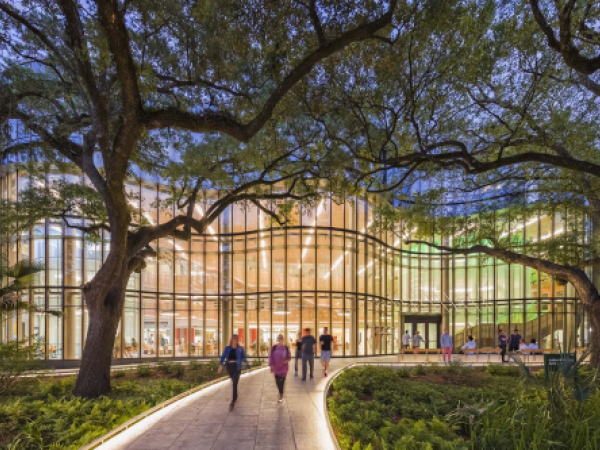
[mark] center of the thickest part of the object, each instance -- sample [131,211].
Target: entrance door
[427,326]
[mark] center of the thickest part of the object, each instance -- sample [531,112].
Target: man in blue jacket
[232,358]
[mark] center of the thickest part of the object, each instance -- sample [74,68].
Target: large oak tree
[476,104]
[109,83]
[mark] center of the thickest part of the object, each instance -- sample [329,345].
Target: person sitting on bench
[470,345]
[534,346]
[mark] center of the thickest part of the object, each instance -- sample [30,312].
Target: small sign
[553,362]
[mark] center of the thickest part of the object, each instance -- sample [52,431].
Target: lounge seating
[422,351]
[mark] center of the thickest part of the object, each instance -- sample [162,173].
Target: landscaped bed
[41,412]
[460,407]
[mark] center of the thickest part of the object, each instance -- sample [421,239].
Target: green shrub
[460,373]
[376,408]
[435,368]
[194,365]
[421,434]
[16,359]
[201,372]
[164,367]
[499,370]
[403,373]
[257,362]
[177,369]
[119,373]
[144,370]
[419,370]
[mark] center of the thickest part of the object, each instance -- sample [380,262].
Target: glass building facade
[250,277]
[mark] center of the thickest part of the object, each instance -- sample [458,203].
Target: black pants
[234,374]
[503,348]
[298,356]
[310,359]
[280,381]
[513,348]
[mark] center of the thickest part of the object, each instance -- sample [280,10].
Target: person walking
[298,352]
[446,342]
[232,358]
[406,340]
[325,340]
[502,344]
[279,358]
[417,339]
[309,345]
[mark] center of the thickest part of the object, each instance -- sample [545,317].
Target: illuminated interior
[247,276]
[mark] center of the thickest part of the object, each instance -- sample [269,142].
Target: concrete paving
[204,421]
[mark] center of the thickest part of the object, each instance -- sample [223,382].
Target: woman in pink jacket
[279,359]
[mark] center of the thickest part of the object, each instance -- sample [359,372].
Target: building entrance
[428,327]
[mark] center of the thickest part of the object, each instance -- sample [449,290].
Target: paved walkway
[203,420]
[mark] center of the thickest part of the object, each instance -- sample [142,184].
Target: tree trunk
[593,312]
[94,374]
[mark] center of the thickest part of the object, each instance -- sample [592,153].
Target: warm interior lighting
[201,213]
[311,232]
[336,264]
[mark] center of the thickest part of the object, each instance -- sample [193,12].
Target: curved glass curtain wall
[246,276]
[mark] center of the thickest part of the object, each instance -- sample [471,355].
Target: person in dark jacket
[309,345]
[298,352]
[514,341]
[502,344]
[232,358]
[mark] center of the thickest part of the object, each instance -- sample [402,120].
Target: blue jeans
[310,359]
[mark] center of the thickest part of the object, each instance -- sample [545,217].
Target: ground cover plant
[459,407]
[43,413]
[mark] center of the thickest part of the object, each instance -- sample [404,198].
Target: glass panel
[131,333]
[150,336]
[182,334]
[212,327]
[197,326]
[337,332]
[432,336]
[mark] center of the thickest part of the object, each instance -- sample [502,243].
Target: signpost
[554,361]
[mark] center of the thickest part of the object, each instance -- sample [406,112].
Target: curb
[332,435]
[126,425]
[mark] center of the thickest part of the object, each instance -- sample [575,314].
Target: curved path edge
[138,420]
[325,406]
[202,418]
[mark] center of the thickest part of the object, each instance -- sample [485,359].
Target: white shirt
[406,339]
[533,347]
[470,345]
[417,340]
[524,347]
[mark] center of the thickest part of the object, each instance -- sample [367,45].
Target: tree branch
[10,11]
[244,132]
[571,55]
[314,17]
[113,21]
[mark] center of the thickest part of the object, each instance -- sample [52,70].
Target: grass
[41,413]
[458,407]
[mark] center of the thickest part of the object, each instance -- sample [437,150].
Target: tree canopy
[428,103]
